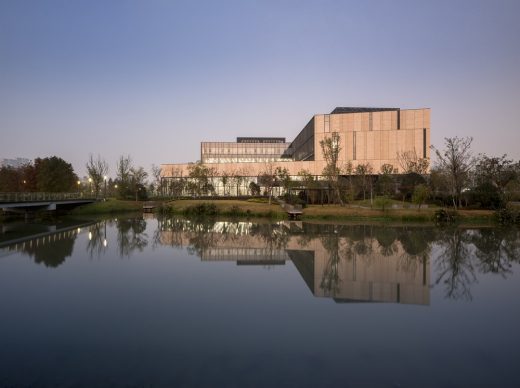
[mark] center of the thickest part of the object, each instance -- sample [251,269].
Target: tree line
[458,177]
[53,174]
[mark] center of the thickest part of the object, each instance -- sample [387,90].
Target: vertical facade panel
[419,119]
[376,121]
[370,149]
[365,121]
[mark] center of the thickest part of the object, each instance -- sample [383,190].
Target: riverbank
[261,208]
[224,207]
[355,213]
[110,206]
[322,212]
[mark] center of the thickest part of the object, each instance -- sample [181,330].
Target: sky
[152,79]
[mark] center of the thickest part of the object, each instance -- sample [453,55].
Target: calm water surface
[147,302]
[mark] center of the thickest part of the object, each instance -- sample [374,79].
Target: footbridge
[32,202]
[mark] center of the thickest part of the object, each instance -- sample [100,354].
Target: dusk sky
[155,78]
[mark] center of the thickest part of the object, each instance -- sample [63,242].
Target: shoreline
[231,208]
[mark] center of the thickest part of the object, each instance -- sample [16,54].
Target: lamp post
[90,185]
[105,179]
[79,184]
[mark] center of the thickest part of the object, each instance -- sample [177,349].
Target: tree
[124,173]
[254,188]
[200,174]
[224,178]
[330,147]
[420,194]
[97,169]
[10,179]
[364,173]
[487,196]
[386,181]
[268,179]
[157,181]
[54,175]
[497,171]
[348,170]
[177,186]
[237,177]
[307,180]
[456,161]
[283,177]
[410,162]
[138,182]
[408,184]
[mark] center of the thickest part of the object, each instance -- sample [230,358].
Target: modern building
[366,135]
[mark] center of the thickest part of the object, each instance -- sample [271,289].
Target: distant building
[15,163]
[366,135]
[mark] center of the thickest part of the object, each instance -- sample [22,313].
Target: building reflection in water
[348,263]
[345,263]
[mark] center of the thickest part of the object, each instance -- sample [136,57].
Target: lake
[160,302]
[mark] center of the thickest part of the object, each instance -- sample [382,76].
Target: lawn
[109,206]
[230,206]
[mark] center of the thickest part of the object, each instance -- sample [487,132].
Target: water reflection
[352,263]
[52,250]
[464,253]
[97,239]
[131,235]
[347,263]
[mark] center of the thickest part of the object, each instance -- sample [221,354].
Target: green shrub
[486,196]
[201,209]
[383,202]
[507,216]
[444,216]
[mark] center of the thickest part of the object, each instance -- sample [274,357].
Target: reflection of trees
[416,243]
[54,253]
[330,280]
[454,264]
[202,237]
[386,238]
[131,236]
[496,248]
[95,244]
[274,235]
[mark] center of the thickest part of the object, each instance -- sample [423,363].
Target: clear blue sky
[154,78]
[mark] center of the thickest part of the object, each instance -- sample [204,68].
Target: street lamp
[90,185]
[79,183]
[105,179]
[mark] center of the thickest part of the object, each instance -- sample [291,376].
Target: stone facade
[366,135]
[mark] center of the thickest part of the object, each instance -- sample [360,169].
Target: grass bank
[261,208]
[354,213]
[224,207]
[110,206]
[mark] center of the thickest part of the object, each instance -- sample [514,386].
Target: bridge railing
[33,197]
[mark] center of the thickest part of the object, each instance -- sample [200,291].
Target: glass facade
[231,152]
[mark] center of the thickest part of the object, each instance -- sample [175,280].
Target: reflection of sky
[86,72]
[163,315]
